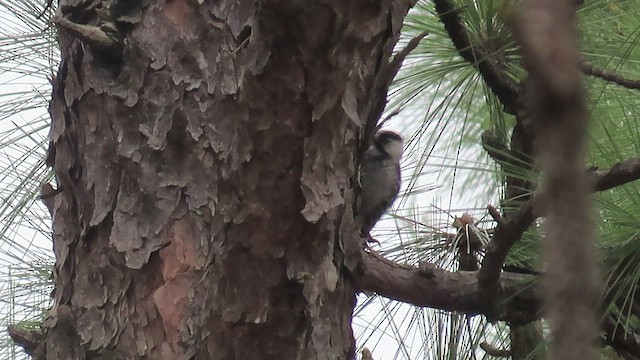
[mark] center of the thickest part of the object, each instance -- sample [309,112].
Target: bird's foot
[368,240]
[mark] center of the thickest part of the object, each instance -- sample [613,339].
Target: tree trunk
[204,156]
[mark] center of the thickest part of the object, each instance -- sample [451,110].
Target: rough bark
[204,165]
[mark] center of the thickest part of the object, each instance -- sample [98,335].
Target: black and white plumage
[379,178]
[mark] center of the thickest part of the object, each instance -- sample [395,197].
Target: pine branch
[500,84]
[507,233]
[607,75]
[430,286]
[619,174]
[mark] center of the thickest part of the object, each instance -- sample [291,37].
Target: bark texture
[204,165]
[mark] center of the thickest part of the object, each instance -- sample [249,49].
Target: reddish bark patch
[179,260]
[176,11]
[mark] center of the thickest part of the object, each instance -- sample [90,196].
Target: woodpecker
[379,178]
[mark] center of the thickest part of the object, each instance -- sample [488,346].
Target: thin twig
[46,7]
[92,35]
[29,340]
[378,94]
[493,351]
[495,214]
[607,75]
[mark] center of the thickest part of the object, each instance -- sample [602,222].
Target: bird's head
[390,143]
